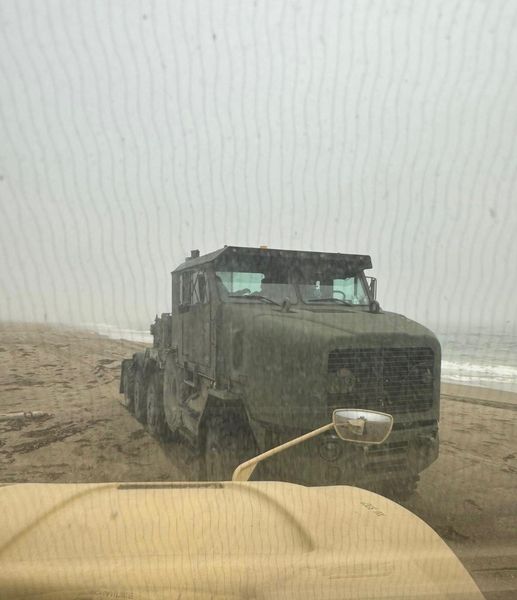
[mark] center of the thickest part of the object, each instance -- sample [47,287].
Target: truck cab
[262,345]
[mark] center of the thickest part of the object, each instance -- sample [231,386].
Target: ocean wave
[498,376]
[495,371]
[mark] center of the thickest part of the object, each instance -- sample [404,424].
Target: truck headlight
[330,450]
[347,379]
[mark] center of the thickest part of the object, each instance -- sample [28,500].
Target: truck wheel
[228,442]
[174,393]
[128,383]
[140,400]
[156,423]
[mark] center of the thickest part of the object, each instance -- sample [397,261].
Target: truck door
[194,312]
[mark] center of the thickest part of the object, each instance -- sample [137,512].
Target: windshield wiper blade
[258,296]
[330,300]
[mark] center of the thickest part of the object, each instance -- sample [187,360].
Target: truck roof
[357,261]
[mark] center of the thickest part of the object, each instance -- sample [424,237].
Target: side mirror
[362,426]
[372,286]
[351,425]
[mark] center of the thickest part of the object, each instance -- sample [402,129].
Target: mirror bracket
[351,425]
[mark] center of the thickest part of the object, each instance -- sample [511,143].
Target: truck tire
[175,392]
[128,383]
[228,442]
[140,400]
[156,423]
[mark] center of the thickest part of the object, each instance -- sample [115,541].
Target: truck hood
[219,540]
[285,355]
[345,326]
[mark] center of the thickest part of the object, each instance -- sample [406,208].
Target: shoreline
[478,395]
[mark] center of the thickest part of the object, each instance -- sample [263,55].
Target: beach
[468,495]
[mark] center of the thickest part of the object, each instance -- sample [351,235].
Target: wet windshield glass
[348,290]
[254,286]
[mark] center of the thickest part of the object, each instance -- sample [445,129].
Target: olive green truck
[262,345]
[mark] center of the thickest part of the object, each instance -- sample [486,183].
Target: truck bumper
[328,460]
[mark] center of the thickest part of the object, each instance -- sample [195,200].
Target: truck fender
[150,367]
[145,363]
[139,360]
[220,401]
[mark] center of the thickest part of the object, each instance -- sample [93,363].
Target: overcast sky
[132,132]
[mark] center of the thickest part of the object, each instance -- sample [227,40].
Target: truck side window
[186,288]
[199,288]
[194,288]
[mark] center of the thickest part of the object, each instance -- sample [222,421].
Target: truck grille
[394,380]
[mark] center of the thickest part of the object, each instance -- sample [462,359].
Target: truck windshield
[337,289]
[254,286]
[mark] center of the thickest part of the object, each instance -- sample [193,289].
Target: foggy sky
[132,132]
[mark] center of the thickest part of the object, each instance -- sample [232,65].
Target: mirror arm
[243,471]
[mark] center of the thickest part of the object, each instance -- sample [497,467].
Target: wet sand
[469,496]
[74,375]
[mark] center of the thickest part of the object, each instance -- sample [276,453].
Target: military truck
[261,345]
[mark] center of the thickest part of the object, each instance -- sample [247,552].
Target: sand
[469,496]
[91,437]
